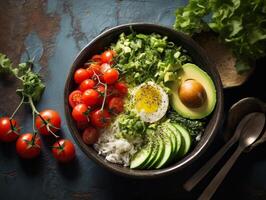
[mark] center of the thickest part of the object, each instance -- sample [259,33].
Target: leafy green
[144,57]
[32,85]
[194,127]
[131,126]
[240,24]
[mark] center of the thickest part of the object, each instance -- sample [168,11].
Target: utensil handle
[201,173]
[218,179]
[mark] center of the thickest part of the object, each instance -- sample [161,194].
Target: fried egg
[150,101]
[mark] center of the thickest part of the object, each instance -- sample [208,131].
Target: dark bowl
[199,57]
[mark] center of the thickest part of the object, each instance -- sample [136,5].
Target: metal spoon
[250,134]
[197,177]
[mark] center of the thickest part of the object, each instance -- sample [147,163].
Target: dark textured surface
[54,31]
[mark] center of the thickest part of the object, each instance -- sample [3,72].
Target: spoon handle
[201,173]
[218,179]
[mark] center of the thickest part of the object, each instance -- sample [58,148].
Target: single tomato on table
[64,150]
[9,129]
[48,122]
[28,146]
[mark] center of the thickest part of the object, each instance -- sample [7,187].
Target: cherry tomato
[110,76]
[96,68]
[81,75]
[116,105]
[75,98]
[64,150]
[107,56]
[86,84]
[90,71]
[105,67]
[80,113]
[90,97]
[97,58]
[100,89]
[27,146]
[48,122]
[122,88]
[90,135]
[100,118]
[8,132]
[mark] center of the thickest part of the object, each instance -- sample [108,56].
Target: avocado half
[191,71]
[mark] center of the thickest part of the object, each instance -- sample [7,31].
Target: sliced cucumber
[141,157]
[167,151]
[178,137]
[155,147]
[186,140]
[171,136]
[160,152]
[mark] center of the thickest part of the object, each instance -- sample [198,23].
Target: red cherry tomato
[97,58]
[90,135]
[75,98]
[86,84]
[9,129]
[80,113]
[105,67]
[90,71]
[27,146]
[107,56]
[100,89]
[90,97]
[96,68]
[100,118]
[122,88]
[64,150]
[116,105]
[81,75]
[110,76]
[48,122]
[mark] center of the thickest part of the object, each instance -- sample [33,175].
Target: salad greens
[143,57]
[240,24]
[32,85]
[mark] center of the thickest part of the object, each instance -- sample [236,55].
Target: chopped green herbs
[148,57]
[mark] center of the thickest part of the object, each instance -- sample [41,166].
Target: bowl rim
[197,152]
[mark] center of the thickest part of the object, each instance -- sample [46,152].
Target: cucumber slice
[141,157]
[171,136]
[178,137]
[186,140]
[167,151]
[160,152]
[153,155]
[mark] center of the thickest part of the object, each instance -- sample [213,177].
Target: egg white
[162,107]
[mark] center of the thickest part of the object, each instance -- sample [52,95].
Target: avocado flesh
[191,71]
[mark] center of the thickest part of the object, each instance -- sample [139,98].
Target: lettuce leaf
[240,24]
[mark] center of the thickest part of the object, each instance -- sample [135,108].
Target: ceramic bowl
[199,57]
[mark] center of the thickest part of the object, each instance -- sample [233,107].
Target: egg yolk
[147,99]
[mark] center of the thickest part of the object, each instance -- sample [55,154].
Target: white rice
[113,149]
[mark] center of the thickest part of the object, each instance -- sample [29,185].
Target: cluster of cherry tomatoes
[99,95]
[28,145]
